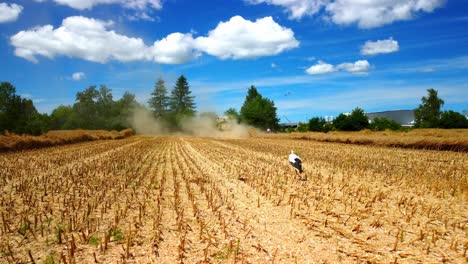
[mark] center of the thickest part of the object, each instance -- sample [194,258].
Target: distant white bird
[295,161]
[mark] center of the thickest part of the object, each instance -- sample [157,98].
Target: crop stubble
[201,200]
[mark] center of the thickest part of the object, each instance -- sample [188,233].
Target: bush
[452,119]
[356,121]
[302,127]
[382,123]
[328,127]
[316,124]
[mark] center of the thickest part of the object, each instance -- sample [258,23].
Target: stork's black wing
[297,165]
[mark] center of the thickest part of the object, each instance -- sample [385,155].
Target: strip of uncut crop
[362,221]
[54,208]
[60,155]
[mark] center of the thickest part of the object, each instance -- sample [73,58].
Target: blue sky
[312,57]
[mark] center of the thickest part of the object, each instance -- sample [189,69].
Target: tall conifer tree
[159,101]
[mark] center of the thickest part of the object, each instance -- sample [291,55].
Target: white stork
[295,161]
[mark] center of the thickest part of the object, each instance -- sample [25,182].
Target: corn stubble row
[200,200]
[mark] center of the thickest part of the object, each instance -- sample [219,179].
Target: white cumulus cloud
[176,48]
[380,46]
[296,8]
[78,37]
[366,13]
[78,76]
[94,40]
[9,12]
[321,67]
[240,39]
[358,67]
[130,4]
[375,13]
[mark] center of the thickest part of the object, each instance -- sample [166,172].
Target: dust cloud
[144,123]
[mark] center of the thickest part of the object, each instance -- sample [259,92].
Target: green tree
[356,121]
[61,117]
[328,127]
[382,123]
[427,115]
[452,119]
[359,119]
[317,124]
[106,111]
[258,111]
[18,114]
[124,109]
[7,95]
[86,109]
[95,109]
[181,104]
[252,94]
[340,121]
[25,117]
[159,101]
[232,114]
[41,124]
[302,127]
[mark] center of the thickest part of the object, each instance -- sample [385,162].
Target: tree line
[172,109]
[96,108]
[18,115]
[427,115]
[93,109]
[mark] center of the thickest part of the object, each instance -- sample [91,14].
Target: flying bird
[295,161]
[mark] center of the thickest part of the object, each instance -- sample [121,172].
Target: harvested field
[204,200]
[12,142]
[435,139]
